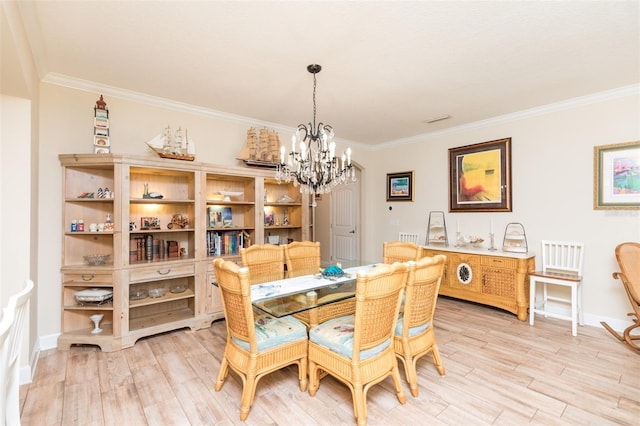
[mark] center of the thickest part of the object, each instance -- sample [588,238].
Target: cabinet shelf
[168,297]
[107,306]
[160,201]
[107,332]
[161,318]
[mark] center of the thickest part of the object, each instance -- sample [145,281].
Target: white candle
[282,155]
[349,156]
[293,143]
[492,225]
[303,149]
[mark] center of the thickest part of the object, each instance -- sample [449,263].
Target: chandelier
[312,162]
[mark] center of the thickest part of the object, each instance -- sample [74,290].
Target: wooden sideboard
[493,278]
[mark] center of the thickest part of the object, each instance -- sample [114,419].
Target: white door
[345,212]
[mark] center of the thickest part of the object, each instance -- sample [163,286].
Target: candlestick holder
[491,239]
[96,321]
[458,239]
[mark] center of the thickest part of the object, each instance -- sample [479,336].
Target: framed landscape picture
[616,176]
[480,177]
[400,186]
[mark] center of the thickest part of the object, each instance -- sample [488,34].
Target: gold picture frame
[616,176]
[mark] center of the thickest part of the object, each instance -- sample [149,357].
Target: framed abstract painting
[480,177]
[616,176]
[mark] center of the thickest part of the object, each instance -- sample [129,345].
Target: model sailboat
[176,147]
[262,150]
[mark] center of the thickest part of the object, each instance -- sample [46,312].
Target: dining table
[308,292]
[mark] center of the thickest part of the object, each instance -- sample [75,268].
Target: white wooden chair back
[18,303]
[5,344]
[408,237]
[562,256]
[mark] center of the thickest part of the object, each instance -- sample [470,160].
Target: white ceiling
[387,66]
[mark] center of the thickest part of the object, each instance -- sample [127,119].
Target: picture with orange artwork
[480,178]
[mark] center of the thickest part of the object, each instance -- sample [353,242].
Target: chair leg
[580,310]
[360,404]
[248,391]
[395,375]
[302,373]
[437,360]
[222,374]
[314,379]
[574,311]
[532,300]
[544,299]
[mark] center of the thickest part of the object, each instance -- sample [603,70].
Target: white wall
[552,184]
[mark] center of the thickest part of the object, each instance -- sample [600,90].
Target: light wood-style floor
[500,371]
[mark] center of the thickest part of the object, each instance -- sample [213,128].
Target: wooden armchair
[255,347]
[302,258]
[399,251]
[265,262]
[358,349]
[628,257]
[414,334]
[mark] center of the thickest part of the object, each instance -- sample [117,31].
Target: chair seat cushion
[271,332]
[337,335]
[413,331]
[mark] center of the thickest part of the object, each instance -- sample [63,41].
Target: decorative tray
[95,295]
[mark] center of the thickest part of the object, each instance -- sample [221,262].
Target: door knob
[353,231]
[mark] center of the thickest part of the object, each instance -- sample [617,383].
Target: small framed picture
[147,223]
[101,123]
[400,186]
[101,141]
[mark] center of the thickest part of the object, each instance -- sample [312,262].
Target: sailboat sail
[262,150]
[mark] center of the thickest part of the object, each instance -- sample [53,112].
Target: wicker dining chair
[628,257]
[400,251]
[302,258]
[414,334]
[358,349]
[265,262]
[255,347]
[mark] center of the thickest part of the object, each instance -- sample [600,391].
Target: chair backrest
[628,257]
[235,290]
[408,237]
[265,262]
[18,304]
[378,296]
[5,344]
[562,256]
[302,258]
[398,251]
[421,292]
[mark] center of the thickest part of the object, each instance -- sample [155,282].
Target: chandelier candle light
[312,162]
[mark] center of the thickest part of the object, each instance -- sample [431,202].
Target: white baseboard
[42,344]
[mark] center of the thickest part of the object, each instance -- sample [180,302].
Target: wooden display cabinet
[492,278]
[168,202]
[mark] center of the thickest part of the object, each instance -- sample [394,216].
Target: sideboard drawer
[161,272]
[499,262]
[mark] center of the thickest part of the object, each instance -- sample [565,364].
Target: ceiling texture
[387,66]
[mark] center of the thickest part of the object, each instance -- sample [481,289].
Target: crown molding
[133,96]
[622,92]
